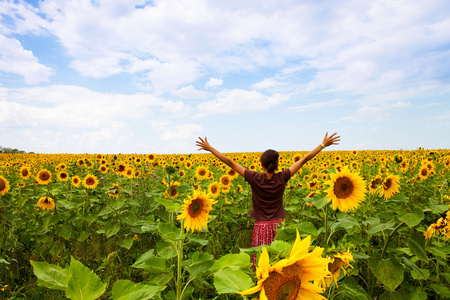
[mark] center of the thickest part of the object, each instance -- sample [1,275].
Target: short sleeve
[248,175]
[286,175]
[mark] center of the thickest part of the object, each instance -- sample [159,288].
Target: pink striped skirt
[263,234]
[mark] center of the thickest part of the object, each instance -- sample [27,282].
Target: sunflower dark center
[335,265]
[195,208]
[285,286]
[424,172]
[387,183]
[343,188]
[63,175]
[375,182]
[25,172]
[46,201]
[2,185]
[90,181]
[225,181]
[173,191]
[202,172]
[44,176]
[214,189]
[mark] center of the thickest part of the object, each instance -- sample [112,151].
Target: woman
[268,187]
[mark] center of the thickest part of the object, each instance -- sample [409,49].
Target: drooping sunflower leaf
[51,276]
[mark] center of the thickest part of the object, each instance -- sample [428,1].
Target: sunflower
[4,185]
[312,185]
[201,172]
[375,184]
[63,176]
[103,169]
[76,181]
[114,191]
[339,262]
[44,177]
[232,173]
[90,181]
[346,190]
[296,158]
[121,168]
[173,192]
[424,173]
[214,189]
[188,164]
[290,278]
[225,189]
[196,210]
[225,180]
[390,186]
[129,172]
[62,166]
[46,203]
[24,173]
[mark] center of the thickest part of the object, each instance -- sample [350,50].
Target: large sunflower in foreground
[346,190]
[46,203]
[4,185]
[390,186]
[196,210]
[291,278]
[44,176]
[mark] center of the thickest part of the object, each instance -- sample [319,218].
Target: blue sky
[136,76]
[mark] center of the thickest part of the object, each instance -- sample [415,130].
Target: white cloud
[15,59]
[21,18]
[190,92]
[181,132]
[268,83]
[76,107]
[213,82]
[377,113]
[239,101]
[317,105]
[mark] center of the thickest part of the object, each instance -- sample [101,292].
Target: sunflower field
[359,225]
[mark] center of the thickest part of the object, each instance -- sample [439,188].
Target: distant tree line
[10,150]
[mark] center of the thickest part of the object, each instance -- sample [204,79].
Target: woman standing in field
[268,187]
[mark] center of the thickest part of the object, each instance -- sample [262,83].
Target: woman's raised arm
[204,145]
[327,141]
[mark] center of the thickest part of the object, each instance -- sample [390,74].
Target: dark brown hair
[269,160]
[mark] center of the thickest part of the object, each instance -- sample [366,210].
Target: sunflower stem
[326,223]
[179,291]
[390,238]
